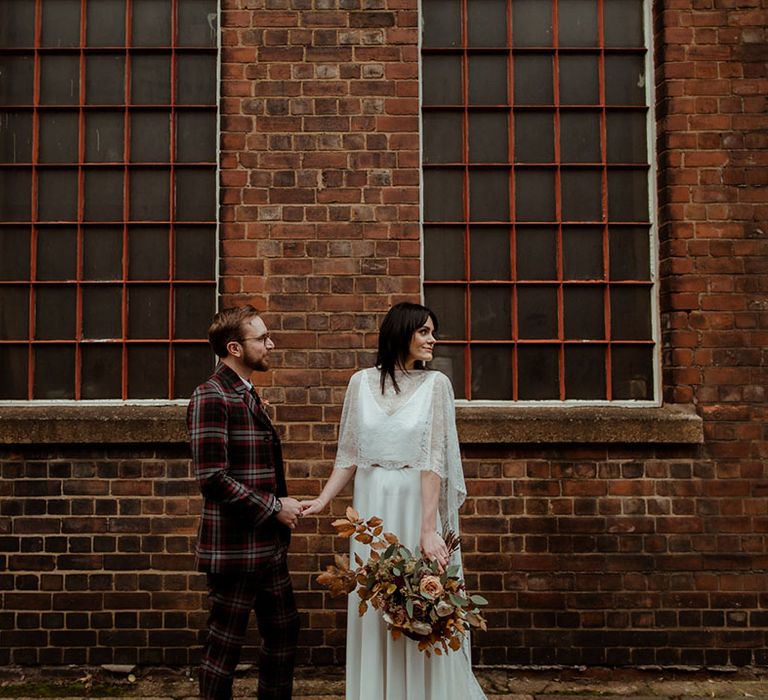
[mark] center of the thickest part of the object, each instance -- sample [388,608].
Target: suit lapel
[238,386]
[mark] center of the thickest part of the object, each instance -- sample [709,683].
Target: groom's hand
[290,512]
[312,507]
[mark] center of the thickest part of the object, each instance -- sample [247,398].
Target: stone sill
[136,423]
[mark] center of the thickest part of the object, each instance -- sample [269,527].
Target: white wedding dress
[391,438]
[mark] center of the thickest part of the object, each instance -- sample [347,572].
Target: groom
[247,516]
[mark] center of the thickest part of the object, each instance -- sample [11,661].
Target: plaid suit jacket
[239,466]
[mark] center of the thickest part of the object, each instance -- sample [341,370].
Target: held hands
[290,512]
[312,507]
[433,547]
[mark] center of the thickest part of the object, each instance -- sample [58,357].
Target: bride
[398,440]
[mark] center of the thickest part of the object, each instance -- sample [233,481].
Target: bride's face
[422,344]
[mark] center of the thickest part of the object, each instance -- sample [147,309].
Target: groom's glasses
[259,338]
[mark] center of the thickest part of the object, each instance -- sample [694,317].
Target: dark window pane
[197,22]
[491,312]
[57,253]
[537,372]
[628,195]
[14,253]
[532,23]
[195,194]
[627,137]
[448,304]
[449,359]
[535,195]
[149,195]
[195,252]
[151,23]
[151,137]
[193,309]
[105,79]
[102,253]
[105,24]
[537,311]
[625,80]
[17,24]
[579,80]
[489,195]
[58,137]
[54,372]
[632,372]
[581,195]
[443,195]
[441,22]
[491,373]
[580,137]
[15,194]
[487,23]
[630,253]
[57,195]
[489,253]
[585,372]
[16,79]
[14,312]
[192,365]
[59,79]
[148,253]
[196,136]
[147,311]
[577,22]
[583,252]
[102,312]
[488,137]
[151,79]
[631,313]
[104,138]
[533,80]
[536,253]
[196,79]
[14,366]
[147,371]
[444,253]
[441,82]
[623,22]
[15,137]
[488,80]
[55,307]
[103,194]
[101,373]
[61,23]
[442,134]
[534,140]
[583,316]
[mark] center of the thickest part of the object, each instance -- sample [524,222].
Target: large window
[108,142]
[537,234]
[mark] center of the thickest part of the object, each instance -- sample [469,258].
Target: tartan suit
[241,545]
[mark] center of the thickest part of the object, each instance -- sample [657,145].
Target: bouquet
[414,598]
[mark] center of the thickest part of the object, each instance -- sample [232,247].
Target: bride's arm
[432,544]
[336,482]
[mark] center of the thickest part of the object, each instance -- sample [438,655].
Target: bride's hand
[312,507]
[433,547]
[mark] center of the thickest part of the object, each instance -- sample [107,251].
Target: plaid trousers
[269,594]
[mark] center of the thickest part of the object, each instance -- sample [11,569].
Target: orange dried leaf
[352,514]
[364,538]
[374,522]
[341,522]
[390,538]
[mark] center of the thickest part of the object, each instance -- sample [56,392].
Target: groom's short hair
[227,327]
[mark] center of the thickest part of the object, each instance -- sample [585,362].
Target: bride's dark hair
[395,334]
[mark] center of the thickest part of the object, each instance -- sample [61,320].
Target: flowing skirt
[379,668]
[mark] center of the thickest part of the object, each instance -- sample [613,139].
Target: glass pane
[628,195]
[58,137]
[14,365]
[195,252]
[491,312]
[579,80]
[104,138]
[61,23]
[537,372]
[151,23]
[147,311]
[101,371]
[580,137]
[536,253]
[55,307]
[583,312]
[149,195]
[54,372]
[103,194]
[195,194]
[630,253]
[196,137]
[577,22]
[632,372]
[537,311]
[625,80]
[441,84]
[105,25]
[17,25]
[585,372]
[488,80]
[627,137]
[441,22]
[442,134]
[623,22]
[197,23]
[148,253]
[535,195]
[487,23]
[57,253]
[193,310]
[489,195]
[582,252]
[534,140]
[102,253]
[16,79]
[150,137]
[102,312]
[488,137]
[444,253]
[105,79]
[151,79]
[449,359]
[491,373]
[14,312]
[532,23]
[192,364]
[448,304]
[533,80]
[57,195]
[489,253]
[147,371]
[14,253]
[15,194]
[59,79]
[443,195]
[630,313]
[196,79]
[15,137]
[581,195]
